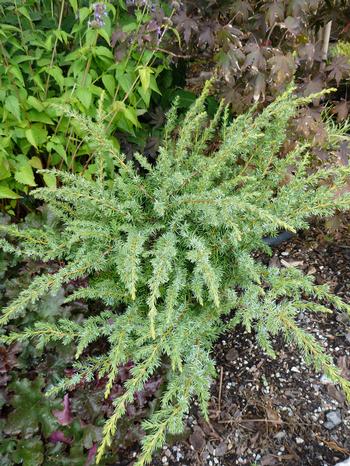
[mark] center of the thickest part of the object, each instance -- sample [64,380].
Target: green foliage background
[51,56]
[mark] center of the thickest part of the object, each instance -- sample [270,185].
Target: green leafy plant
[56,53]
[170,249]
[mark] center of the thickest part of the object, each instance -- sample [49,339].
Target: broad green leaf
[7,193]
[74,5]
[83,14]
[130,114]
[84,96]
[41,117]
[23,10]
[35,103]
[48,42]
[145,77]
[146,96]
[57,148]
[37,79]
[101,51]
[109,83]
[32,410]
[118,106]
[4,168]
[35,162]
[130,26]
[36,135]
[57,75]
[103,33]
[153,85]
[50,180]
[15,71]
[24,174]
[29,452]
[125,80]
[13,106]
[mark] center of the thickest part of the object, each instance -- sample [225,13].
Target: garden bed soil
[270,412]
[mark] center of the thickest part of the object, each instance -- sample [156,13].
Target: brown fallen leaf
[221,449]
[291,263]
[197,439]
[273,416]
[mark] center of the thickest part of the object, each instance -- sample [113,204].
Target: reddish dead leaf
[255,57]
[343,153]
[341,110]
[186,24]
[58,436]
[339,69]
[242,10]
[293,25]
[64,417]
[91,455]
[8,358]
[274,12]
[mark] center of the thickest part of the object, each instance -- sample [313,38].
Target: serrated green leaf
[74,5]
[146,96]
[23,10]
[125,80]
[35,103]
[57,75]
[101,51]
[15,71]
[50,180]
[4,168]
[29,452]
[24,174]
[40,117]
[145,77]
[57,148]
[7,193]
[103,33]
[109,83]
[36,135]
[35,162]
[32,411]
[130,114]
[83,14]
[13,106]
[84,96]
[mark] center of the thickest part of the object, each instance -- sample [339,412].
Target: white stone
[344,463]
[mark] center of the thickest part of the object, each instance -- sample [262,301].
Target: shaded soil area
[269,412]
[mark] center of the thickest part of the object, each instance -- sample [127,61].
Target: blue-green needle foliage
[170,250]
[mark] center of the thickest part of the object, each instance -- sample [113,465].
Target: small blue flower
[99,13]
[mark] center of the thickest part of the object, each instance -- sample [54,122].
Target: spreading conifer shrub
[171,250]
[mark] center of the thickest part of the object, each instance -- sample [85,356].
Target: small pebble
[333,419]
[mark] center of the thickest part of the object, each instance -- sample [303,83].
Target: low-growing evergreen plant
[170,249]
